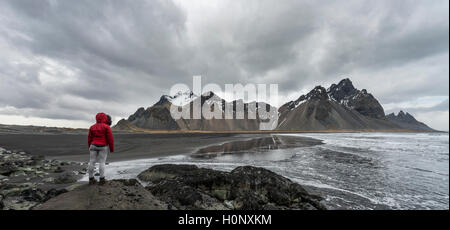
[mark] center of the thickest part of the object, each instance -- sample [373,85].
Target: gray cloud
[70,59]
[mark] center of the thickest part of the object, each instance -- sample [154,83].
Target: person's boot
[102,181]
[92,181]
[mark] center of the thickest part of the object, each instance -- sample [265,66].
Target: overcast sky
[63,61]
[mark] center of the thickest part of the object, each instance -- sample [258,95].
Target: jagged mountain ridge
[179,99]
[225,124]
[360,100]
[158,117]
[317,110]
[407,121]
[340,107]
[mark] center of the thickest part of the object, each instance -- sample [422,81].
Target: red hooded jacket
[100,133]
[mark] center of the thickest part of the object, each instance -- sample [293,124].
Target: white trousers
[97,154]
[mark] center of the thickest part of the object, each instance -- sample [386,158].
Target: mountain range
[339,107]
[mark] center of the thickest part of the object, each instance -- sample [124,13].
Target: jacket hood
[101,118]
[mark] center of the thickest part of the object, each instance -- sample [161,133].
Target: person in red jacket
[100,142]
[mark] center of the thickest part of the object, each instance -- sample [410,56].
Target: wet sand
[73,147]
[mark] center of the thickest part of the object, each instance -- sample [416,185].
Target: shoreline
[73,147]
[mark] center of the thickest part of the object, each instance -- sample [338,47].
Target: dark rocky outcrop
[26,181]
[407,121]
[7,168]
[186,187]
[244,188]
[65,178]
[39,195]
[114,195]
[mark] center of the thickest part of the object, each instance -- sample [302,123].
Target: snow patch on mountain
[181,98]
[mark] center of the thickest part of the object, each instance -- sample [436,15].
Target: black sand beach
[73,147]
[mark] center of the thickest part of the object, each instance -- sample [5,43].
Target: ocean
[350,170]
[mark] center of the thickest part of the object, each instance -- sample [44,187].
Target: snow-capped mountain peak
[181,98]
